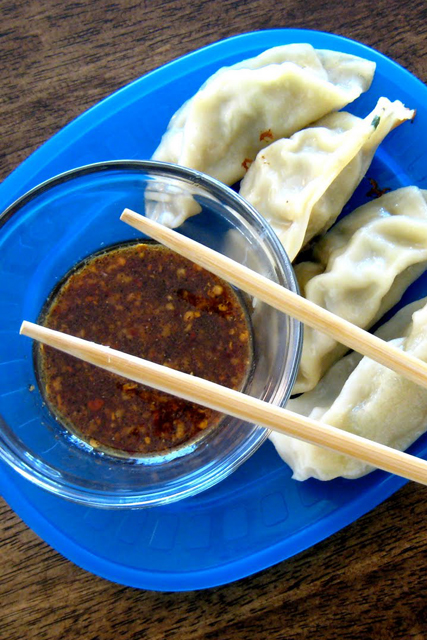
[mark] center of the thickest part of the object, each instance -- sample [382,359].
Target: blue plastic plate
[259,515]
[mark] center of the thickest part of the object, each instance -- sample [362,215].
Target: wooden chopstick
[234,403]
[284,300]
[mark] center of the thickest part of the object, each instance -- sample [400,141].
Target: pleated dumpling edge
[242,108]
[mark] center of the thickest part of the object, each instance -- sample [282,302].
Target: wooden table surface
[368,581]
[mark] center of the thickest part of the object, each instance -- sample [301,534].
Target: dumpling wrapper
[243,108]
[362,267]
[363,397]
[301,184]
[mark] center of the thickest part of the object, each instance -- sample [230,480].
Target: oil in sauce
[148,301]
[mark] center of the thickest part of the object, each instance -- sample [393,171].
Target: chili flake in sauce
[147,301]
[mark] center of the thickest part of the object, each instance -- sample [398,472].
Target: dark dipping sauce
[147,301]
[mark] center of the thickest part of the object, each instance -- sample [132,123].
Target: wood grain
[366,582]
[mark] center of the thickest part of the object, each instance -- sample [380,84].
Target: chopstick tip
[126,213]
[25,327]
[137,220]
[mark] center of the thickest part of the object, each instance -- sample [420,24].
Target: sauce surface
[147,301]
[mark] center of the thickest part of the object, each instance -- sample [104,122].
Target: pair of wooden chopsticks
[238,404]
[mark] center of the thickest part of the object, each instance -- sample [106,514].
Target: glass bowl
[56,225]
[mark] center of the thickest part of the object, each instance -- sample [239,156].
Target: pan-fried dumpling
[243,108]
[363,397]
[362,267]
[301,184]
